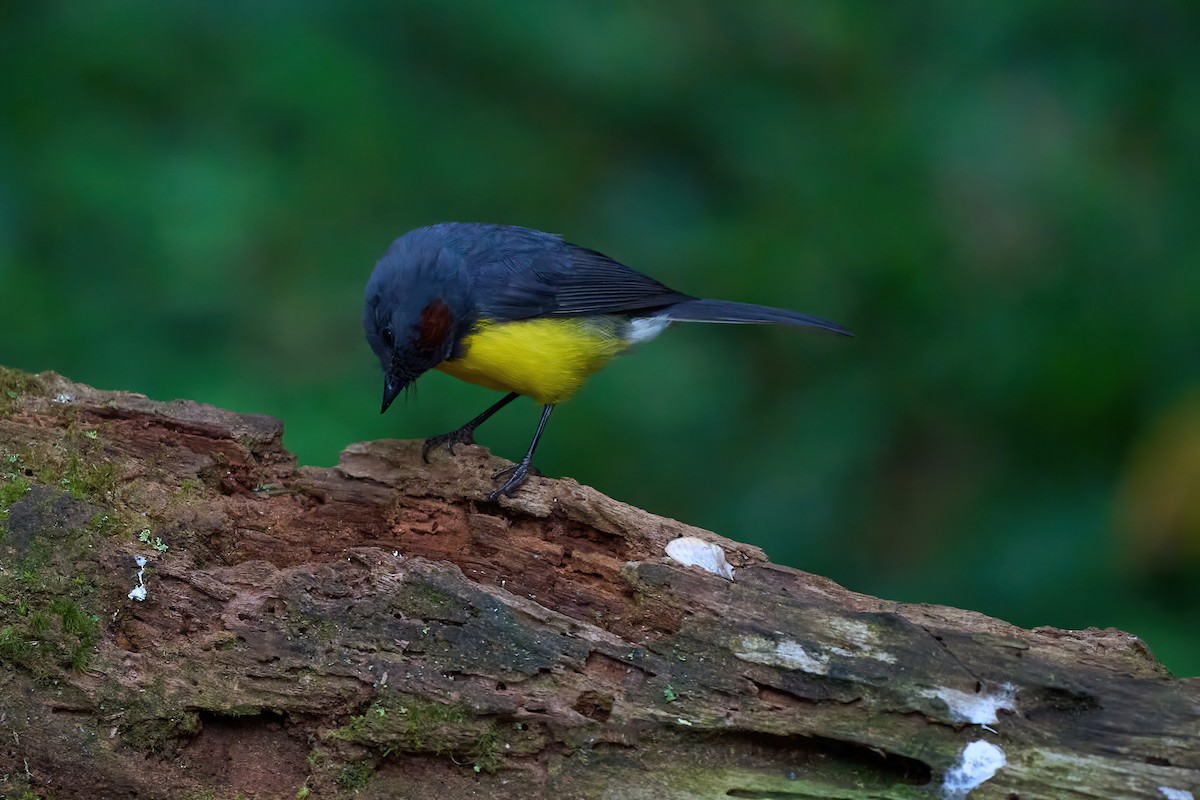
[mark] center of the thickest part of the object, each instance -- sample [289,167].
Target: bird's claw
[463,435]
[517,474]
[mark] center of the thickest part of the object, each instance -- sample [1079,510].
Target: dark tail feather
[747,314]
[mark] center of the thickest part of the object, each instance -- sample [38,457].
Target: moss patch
[44,639]
[409,723]
[152,721]
[355,776]
[425,601]
[404,723]
[14,384]
[12,489]
[55,506]
[49,598]
[86,472]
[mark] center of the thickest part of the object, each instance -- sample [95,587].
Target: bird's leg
[519,471]
[465,434]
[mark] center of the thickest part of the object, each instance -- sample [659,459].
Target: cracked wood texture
[379,630]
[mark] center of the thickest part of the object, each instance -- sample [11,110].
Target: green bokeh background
[1000,199]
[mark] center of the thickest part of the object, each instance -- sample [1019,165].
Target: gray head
[416,309]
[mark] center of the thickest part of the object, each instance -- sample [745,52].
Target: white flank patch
[139,592]
[646,328]
[787,654]
[693,552]
[1175,794]
[979,708]
[978,763]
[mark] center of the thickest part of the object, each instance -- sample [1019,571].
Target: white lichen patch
[139,592]
[691,551]
[786,653]
[1175,794]
[860,638]
[978,763]
[813,658]
[979,708]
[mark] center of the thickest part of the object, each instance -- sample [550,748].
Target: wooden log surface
[378,629]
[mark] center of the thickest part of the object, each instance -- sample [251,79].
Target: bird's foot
[517,474]
[463,435]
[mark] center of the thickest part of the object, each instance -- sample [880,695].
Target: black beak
[391,387]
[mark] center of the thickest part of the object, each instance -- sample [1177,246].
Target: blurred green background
[1000,199]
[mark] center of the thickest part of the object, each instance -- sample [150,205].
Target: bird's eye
[388,338]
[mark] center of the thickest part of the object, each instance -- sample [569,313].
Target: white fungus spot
[693,552]
[1175,794]
[787,654]
[63,397]
[979,708]
[139,592]
[979,762]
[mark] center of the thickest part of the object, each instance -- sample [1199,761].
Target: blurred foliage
[1000,199]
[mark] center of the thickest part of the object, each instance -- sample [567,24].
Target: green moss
[14,384]
[77,623]
[151,719]
[317,759]
[74,620]
[47,624]
[44,639]
[317,630]
[487,751]
[355,776]
[241,710]
[88,481]
[48,598]
[15,647]
[414,725]
[189,489]
[39,623]
[419,600]
[85,470]
[229,642]
[11,490]
[153,726]
[104,524]
[411,724]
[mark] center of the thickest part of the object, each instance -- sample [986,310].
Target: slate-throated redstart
[522,312]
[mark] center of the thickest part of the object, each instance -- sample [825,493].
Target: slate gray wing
[540,278]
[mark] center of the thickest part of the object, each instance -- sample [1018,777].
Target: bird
[523,312]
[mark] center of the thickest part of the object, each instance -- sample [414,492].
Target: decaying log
[378,629]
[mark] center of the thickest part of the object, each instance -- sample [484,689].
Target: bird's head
[415,312]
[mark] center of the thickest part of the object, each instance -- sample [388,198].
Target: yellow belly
[546,359]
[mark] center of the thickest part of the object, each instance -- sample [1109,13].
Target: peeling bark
[379,629]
